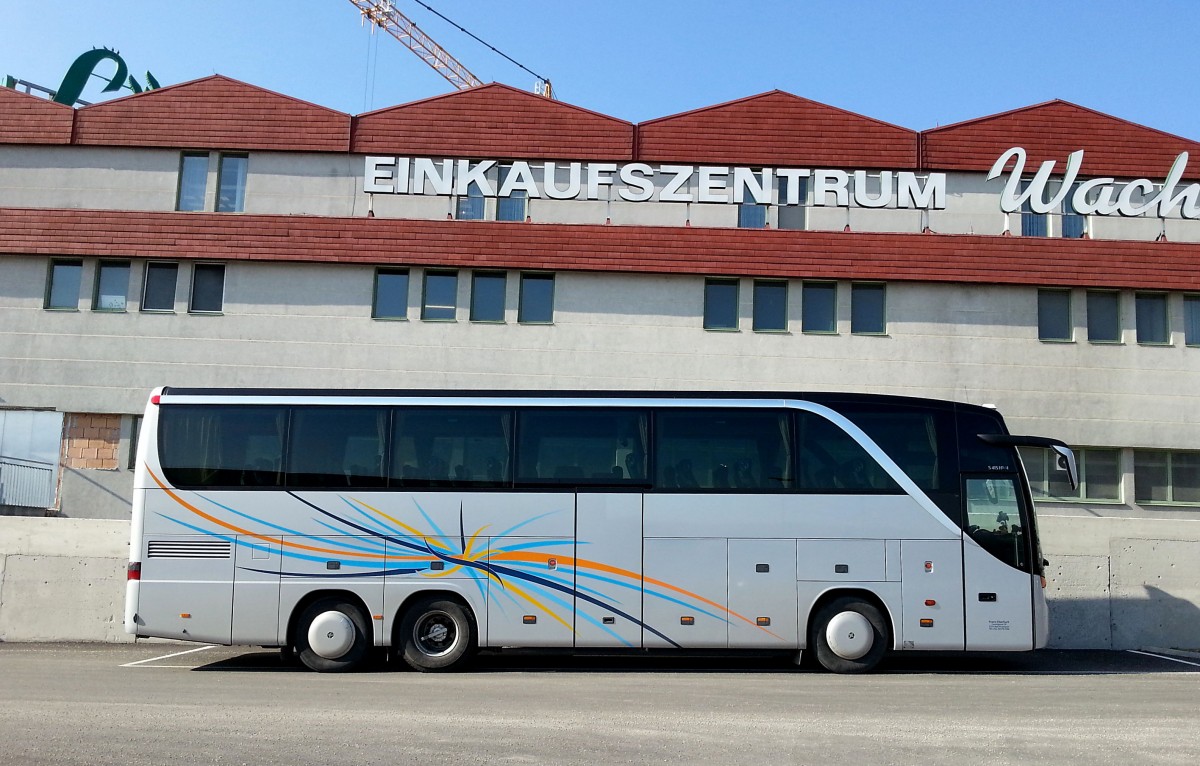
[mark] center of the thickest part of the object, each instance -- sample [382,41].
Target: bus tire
[436,634]
[849,635]
[331,636]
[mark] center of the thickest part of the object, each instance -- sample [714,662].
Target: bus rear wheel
[436,634]
[331,636]
[849,635]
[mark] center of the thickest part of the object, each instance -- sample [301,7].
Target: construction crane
[384,15]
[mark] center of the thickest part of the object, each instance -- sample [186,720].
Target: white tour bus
[437,523]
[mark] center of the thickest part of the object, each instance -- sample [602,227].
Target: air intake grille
[197,549]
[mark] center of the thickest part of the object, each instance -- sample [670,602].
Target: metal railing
[26,483]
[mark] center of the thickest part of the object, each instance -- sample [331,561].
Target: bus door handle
[987,596]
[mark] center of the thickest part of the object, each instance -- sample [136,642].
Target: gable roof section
[26,119]
[1051,131]
[493,121]
[777,128]
[214,113]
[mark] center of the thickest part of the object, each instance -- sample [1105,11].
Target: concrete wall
[1114,583]
[1123,583]
[62,579]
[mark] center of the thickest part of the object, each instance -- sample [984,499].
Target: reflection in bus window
[994,518]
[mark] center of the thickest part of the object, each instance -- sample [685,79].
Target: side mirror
[1065,460]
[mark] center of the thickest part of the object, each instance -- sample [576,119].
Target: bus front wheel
[849,636]
[331,636]
[436,634]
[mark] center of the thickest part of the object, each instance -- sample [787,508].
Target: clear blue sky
[918,64]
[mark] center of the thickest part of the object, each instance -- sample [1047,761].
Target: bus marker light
[1043,579]
[763,621]
[186,615]
[377,617]
[926,622]
[928,566]
[930,602]
[134,571]
[529,619]
[687,620]
[155,399]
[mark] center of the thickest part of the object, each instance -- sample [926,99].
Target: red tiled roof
[777,128]
[493,121]
[1051,131]
[214,113]
[26,119]
[636,249]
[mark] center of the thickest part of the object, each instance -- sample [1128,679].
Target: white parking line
[166,656]
[1165,657]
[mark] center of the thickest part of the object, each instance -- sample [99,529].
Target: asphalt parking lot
[167,703]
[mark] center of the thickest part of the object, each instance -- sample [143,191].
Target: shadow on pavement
[1046,662]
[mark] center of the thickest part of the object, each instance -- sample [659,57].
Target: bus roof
[817,397]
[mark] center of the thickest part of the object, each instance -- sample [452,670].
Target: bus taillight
[134,571]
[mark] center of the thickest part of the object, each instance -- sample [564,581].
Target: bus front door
[997,579]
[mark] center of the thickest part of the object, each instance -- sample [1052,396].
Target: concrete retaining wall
[1114,583]
[62,579]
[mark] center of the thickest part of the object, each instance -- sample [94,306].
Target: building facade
[1044,260]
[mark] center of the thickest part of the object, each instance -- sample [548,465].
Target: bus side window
[452,447]
[581,447]
[222,446]
[337,447]
[723,449]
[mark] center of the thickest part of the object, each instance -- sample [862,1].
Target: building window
[770,305]
[62,286]
[440,299]
[1099,475]
[158,291]
[135,429]
[231,183]
[112,286]
[391,294]
[470,205]
[193,181]
[792,216]
[1191,320]
[818,306]
[1032,224]
[751,215]
[1152,324]
[1104,316]
[208,288]
[536,304]
[1166,477]
[487,296]
[867,308]
[1073,224]
[512,207]
[720,304]
[1054,315]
